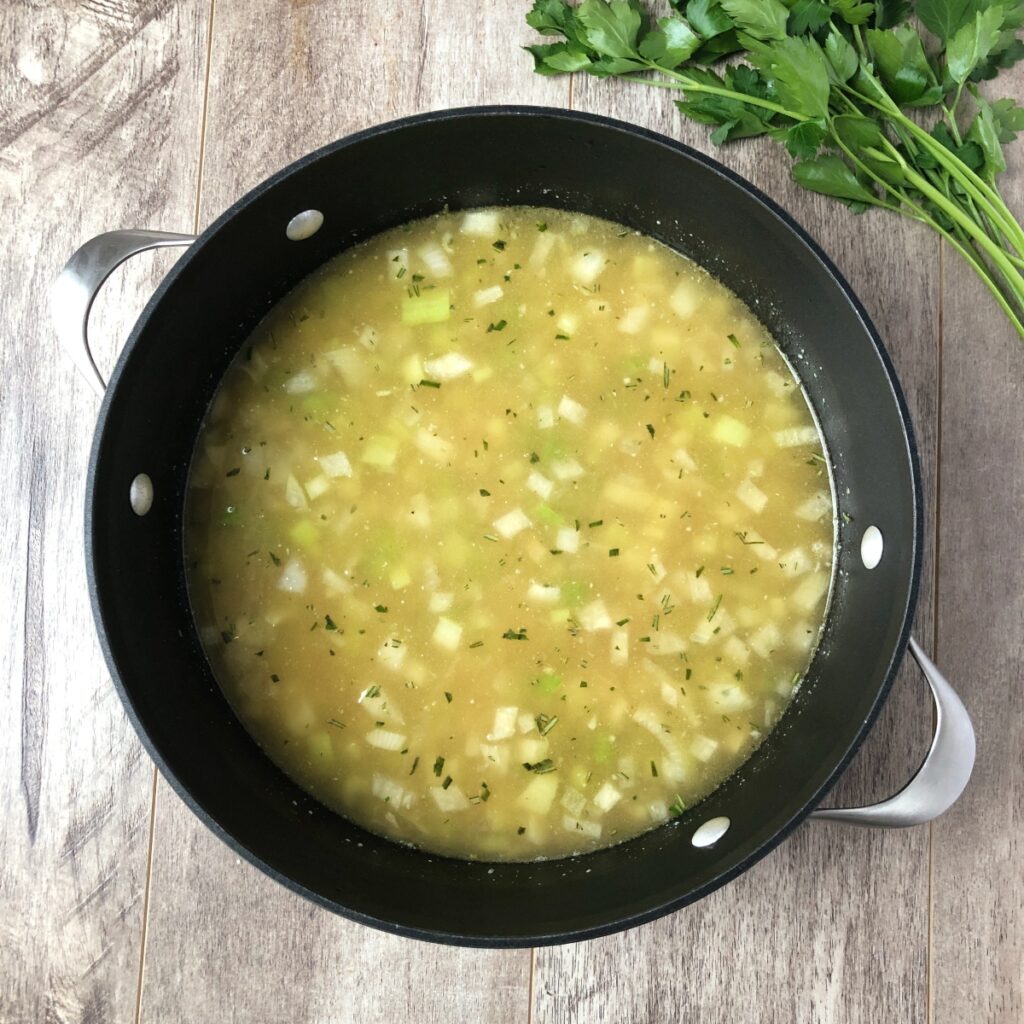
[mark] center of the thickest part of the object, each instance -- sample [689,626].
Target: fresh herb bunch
[832,80]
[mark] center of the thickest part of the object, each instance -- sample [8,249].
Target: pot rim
[788,222]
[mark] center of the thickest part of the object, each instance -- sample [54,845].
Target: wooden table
[117,905]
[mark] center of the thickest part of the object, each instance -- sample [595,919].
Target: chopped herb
[499,245]
[417,277]
[401,273]
[654,770]
[545,723]
[540,767]
[274,677]
[447,696]
[485,792]
[329,623]
[515,634]
[699,571]
[650,429]
[484,494]
[234,472]
[534,458]
[476,643]
[430,384]
[613,552]
[677,806]
[621,622]
[266,475]
[373,691]
[743,537]
[682,396]
[499,326]
[735,341]
[521,830]
[227,636]
[714,608]
[542,226]
[415,765]
[382,608]
[439,766]
[726,570]
[447,782]
[665,374]
[561,337]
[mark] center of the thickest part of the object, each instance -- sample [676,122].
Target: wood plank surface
[223,941]
[978,857]
[797,937]
[99,105]
[159,113]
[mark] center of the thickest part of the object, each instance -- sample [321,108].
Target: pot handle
[942,776]
[77,285]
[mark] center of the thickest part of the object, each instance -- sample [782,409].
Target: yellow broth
[509,534]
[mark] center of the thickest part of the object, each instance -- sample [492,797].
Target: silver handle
[941,778]
[79,282]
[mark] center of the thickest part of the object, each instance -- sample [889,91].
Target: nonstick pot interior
[224,285]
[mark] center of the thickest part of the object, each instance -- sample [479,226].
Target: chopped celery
[604,747]
[429,307]
[548,683]
[546,514]
[575,592]
[304,533]
[380,451]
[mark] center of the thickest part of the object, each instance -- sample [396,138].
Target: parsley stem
[688,84]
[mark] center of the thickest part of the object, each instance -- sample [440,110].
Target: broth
[509,533]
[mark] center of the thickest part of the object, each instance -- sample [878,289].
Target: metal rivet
[710,832]
[304,225]
[140,494]
[871,547]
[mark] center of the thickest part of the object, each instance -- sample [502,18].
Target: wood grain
[977,878]
[796,938]
[223,941]
[97,117]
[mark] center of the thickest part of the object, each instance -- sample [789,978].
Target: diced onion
[541,593]
[482,223]
[587,266]
[540,485]
[634,320]
[752,496]
[450,799]
[703,748]
[539,793]
[436,260]
[293,493]
[336,464]
[318,486]
[606,797]
[512,523]
[447,367]
[440,602]
[391,792]
[447,634]
[685,299]
[815,507]
[590,829]
[293,577]
[545,417]
[595,617]
[571,410]
[385,740]
[301,383]
[487,296]
[730,430]
[567,469]
[568,540]
[794,437]
[436,448]
[504,725]
[573,801]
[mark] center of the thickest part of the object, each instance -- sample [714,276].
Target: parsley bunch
[833,80]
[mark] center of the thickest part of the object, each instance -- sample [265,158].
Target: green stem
[971,182]
[690,85]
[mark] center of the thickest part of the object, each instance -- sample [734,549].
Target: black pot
[243,264]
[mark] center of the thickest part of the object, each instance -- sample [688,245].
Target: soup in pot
[509,533]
